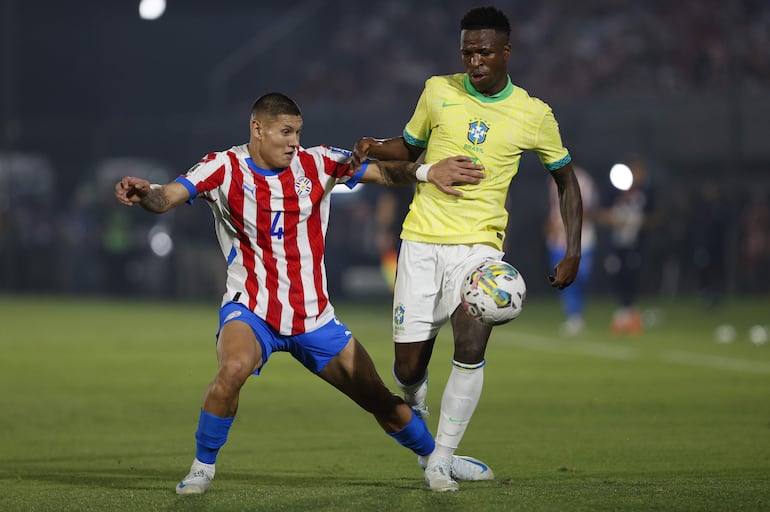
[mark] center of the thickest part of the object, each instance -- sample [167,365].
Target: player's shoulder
[240,151]
[454,81]
[521,96]
[326,150]
[227,159]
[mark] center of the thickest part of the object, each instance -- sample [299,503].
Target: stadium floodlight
[621,177]
[151,9]
[160,241]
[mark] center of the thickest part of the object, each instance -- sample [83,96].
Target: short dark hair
[480,18]
[275,104]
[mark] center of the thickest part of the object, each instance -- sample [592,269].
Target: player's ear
[256,129]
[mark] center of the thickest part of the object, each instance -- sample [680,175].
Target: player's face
[278,140]
[485,56]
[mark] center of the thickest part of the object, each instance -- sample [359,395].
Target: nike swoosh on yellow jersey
[445,104]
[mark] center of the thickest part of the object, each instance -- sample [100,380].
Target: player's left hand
[565,272]
[453,171]
[131,190]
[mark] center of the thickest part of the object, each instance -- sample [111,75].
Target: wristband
[155,186]
[422,172]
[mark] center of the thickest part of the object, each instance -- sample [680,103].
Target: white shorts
[428,281]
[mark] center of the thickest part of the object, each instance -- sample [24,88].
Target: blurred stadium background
[89,92]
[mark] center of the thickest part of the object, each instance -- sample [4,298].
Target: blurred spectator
[626,212]
[199,271]
[392,206]
[117,250]
[27,222]
[672,243]
[711,222]
[755,243]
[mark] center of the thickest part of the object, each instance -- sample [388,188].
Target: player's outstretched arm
[383,149]
[153,198]
[444,174]
[571,207]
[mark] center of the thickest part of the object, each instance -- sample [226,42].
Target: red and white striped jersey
[271,227]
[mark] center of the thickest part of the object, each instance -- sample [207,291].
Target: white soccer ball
[493,293]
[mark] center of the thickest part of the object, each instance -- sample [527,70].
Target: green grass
[100,402]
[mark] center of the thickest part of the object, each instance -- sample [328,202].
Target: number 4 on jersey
[275,230]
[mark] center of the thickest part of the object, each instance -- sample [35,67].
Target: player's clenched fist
[131,190]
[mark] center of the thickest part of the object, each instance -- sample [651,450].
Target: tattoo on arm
[155,201]
[398,173]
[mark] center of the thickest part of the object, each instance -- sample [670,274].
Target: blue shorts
[313,349]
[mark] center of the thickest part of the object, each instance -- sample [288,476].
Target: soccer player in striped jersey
[479,113]
[270,200]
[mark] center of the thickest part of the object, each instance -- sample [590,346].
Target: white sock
[209,468]
[461,395]
[414,394]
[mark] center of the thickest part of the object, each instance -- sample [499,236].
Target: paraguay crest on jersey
[303,186]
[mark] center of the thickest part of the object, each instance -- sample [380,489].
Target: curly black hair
[480,18]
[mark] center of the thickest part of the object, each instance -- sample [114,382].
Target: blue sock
[211,435]
[415,436]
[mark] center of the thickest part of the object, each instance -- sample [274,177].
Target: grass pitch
[100,403]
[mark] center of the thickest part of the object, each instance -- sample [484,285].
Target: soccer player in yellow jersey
[479,113]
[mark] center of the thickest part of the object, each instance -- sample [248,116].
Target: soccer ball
[493,293]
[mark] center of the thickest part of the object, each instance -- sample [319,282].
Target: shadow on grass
[131,476]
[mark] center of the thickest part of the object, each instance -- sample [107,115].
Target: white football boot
[464,468]
[197,480]
[438,476]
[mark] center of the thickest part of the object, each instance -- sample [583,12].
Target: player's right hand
[565,272]
[131,190]
[361,151]
[455,170]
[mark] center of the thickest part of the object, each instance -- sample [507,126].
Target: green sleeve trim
[559,163]
[415,141]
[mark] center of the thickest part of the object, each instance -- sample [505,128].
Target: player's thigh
[238,348]
[417,291]
[457,261]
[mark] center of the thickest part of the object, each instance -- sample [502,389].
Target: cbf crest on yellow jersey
[452,118]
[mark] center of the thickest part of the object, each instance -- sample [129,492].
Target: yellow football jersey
[452,118]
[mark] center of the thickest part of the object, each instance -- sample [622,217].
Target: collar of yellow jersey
[507,91]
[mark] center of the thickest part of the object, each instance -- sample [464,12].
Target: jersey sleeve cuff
[353,181]
[559,163]
[414,141]
[190,188]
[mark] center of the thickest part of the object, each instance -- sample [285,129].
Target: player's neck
[253,149]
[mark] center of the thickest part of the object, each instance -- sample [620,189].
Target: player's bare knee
[469,349]
[234,372]
[408,372]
